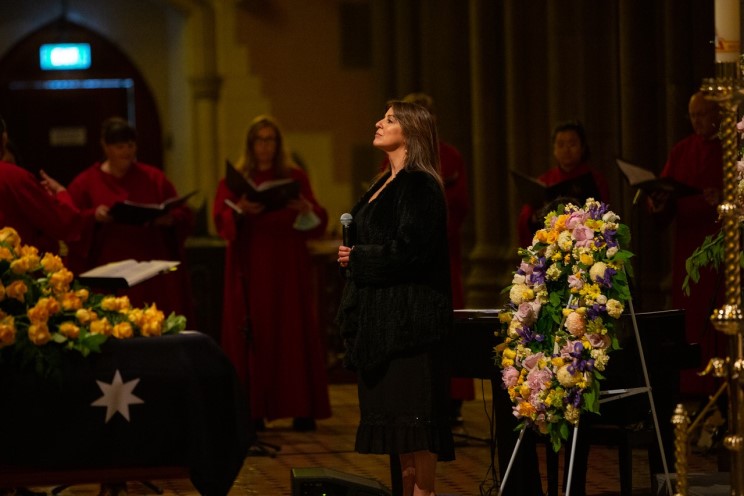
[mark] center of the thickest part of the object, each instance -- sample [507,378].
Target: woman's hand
[657,201]
[50,184]
[102,214]
[249,207]
[344,252]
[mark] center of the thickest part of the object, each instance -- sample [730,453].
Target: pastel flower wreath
[565,297]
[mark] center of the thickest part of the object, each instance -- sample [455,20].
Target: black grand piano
[666,353]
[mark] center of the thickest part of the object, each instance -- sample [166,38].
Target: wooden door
[54,117]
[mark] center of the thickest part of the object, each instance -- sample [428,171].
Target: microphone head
[346,219]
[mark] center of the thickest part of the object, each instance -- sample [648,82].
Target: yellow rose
[6,254]
[39,334]
[69,329]
[85,315]
[586,258]
[541,236]
[136,316]
[70,301]
[122,330]
[524,391]
[60,280]
[101,326]
[7,331]
[30,252]
[17,290]
[51,262]
[10,237]
[560,222]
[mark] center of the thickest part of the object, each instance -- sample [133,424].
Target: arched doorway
[54,116]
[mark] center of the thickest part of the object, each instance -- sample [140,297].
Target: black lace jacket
[397,295]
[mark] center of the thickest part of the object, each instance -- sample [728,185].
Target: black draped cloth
[180,393]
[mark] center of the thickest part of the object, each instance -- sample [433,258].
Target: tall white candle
[727,30]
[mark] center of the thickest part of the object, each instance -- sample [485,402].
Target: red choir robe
[454,176]
[41,220]
[556,175]
[697,161]
[281,356]
[102,243]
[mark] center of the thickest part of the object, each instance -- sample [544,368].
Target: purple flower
[597,211]
[606,279]
[573,397]
[527,335]
[595,311]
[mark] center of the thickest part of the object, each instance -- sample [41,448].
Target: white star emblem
[117,396]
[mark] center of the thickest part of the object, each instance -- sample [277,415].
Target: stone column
[491,257]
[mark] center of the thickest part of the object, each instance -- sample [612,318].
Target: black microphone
[346,228]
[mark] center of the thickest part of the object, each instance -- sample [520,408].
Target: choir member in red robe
[571,153]
[118,178]
[270,329]
[41,219]
[696,161]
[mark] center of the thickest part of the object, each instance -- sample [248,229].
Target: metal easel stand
[612,395]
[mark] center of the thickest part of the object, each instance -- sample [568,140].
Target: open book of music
[129,212]
[646,181]
[537,193]
[125,273]
[273,194]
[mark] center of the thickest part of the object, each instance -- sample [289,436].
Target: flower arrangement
[44,311]
[570,287]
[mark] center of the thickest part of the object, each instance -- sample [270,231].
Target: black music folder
[273,194]
[129,212]
[646,181]
[537,193]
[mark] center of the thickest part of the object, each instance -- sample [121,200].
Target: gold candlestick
[726,91]
[681,424]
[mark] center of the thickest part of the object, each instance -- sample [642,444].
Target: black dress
[395,312]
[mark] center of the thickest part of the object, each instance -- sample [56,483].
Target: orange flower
[70,301]
[7,331]
[39,334]
[17,290]
[123,330]
[51,263]
[60,280]
[101,326]
[85,315]
[6,254]
[43,309]
[10,237]
[69,329]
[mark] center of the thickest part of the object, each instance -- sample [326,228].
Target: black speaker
[320,481]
